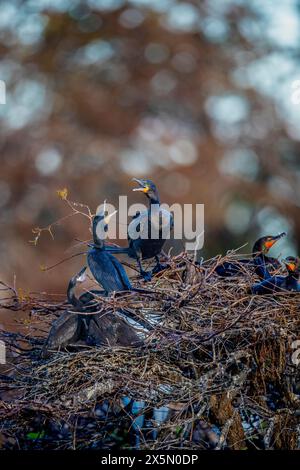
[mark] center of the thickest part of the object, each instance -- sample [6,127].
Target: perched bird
[281,283]
[87,301]
[260,261]
[293,267]
[106,269]
[148,230]
[69,327]
[85,328]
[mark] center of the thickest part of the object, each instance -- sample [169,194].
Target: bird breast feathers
[159,218]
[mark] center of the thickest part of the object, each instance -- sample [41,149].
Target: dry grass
[218,358]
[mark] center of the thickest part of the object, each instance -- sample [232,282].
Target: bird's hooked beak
[143,187]
[81,276]
[270,243]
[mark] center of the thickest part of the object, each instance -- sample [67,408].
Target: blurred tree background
[196,95]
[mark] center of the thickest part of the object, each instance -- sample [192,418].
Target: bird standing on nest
[260,259]
[148,230]
[105,268]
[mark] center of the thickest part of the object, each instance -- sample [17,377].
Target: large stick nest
[218,359]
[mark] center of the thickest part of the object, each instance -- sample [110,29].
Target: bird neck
[98,243]
[293,276]
[259,257]
[260,262]
[257,248]
[154,199]
[72,299]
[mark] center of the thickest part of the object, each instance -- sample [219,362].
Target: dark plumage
[106,269]
[155,222]
[293,267]
[281,283]
[153,227]
[70,327]
[260,261]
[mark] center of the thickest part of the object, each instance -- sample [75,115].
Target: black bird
[96,329]
[148,230]
[70,327]
[87,301]
[106,269]
[73,328]
[281,283]
[260,261]
[293,267]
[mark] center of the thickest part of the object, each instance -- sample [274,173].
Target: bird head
[264,244]
[104,217]
[292,264]
[147,187]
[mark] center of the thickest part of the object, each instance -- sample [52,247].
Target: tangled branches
[213,371]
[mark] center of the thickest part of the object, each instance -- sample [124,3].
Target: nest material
[217,358]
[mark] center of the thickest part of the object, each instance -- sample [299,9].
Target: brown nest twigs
[216,370]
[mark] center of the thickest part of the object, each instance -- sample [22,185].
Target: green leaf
[35,435]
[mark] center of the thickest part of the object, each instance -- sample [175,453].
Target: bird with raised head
[147,232]
[105,268]
[260,260]
[292,264]
[149,229]
[281,283]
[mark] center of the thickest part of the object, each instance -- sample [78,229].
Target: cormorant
[260,261]
[260,250]
[293,267]
[281,283]
[70,327]
[153,225]
[73,328]
[106,269]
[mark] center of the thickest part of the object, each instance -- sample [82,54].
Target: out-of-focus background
[201,96]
